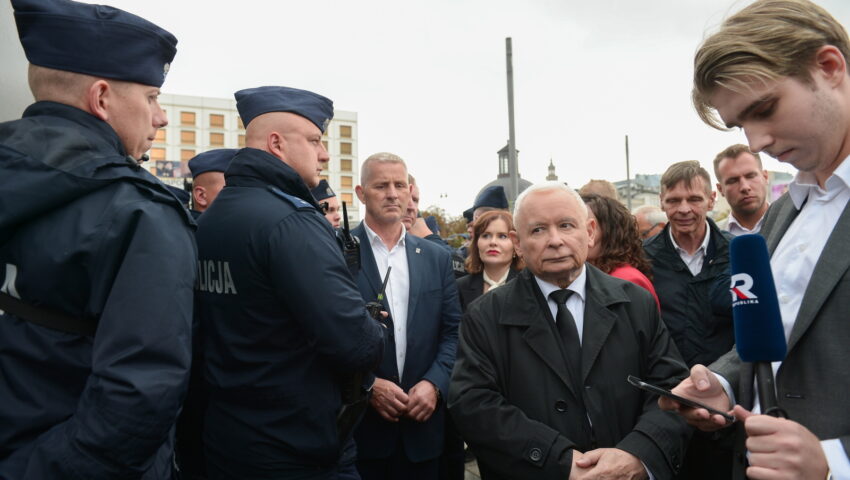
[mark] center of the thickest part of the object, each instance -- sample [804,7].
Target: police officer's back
[275,345]
[97,258]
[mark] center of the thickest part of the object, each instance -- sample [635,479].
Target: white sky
[427,78]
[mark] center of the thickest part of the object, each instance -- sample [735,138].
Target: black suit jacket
[471,287]
[512,399]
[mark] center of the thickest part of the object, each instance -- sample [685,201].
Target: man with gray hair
[401,435]
[539,389]
[650,220]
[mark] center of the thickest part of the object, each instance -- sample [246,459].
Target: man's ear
[830,64]
[200,195]
[711,199]
[275,144]
[515,240]
[359,191]
[720,188]
[98,98]
[591,232]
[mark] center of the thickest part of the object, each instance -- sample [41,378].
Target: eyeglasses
[646,232]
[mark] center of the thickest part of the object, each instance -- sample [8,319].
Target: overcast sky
[427,78]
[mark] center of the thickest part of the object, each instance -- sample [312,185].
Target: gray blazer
[813,382]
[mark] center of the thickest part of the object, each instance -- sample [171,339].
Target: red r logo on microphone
[741,285]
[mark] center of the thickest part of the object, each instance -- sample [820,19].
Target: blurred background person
[327,199]
[492,260]
[602,188]
[650,220]
[618,250]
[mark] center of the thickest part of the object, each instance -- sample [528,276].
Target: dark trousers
[452,460]
[398,467]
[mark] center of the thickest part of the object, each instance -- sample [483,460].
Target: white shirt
[398,287]
[693,261]
[735,228]
[575,304]
[793,263]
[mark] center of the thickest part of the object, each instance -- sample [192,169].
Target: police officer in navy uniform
[97,257]
[328,201]
[282,321]
[208,177]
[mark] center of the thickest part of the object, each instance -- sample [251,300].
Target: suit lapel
[784,217]
[368,265]
[541,335]
[598,319]
[831,266]
[416,267]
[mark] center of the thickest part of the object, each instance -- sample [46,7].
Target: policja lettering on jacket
[214,277]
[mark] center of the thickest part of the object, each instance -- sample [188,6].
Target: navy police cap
[211,161]
[467,214]
[322,191]
[432,224]
[253,102]
[96,40]
[493,196]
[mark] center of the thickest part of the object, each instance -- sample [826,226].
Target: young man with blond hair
[778,70]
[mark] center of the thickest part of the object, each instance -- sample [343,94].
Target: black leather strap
[45,317]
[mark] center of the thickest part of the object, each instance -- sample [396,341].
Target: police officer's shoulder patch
[292,199]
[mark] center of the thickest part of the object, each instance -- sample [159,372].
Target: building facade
[198,124]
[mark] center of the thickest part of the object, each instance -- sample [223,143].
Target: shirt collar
[734,221]
[374,239]
[702,247]
[803,183]
[578,285]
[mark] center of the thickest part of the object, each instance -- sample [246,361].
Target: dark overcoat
[513,400]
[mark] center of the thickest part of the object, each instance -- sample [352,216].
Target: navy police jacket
[86,232]
[282,323]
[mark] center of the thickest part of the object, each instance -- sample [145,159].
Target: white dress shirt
[575,304]
[793,263]
[398,287]
[695,260]
[735,228]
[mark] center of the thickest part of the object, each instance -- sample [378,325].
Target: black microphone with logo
[759,334]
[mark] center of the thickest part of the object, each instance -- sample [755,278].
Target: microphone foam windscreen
[759,334]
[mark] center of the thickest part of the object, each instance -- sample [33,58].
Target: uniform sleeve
[144,276]
[506,439]
[311,277]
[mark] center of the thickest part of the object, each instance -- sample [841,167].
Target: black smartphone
[684,401]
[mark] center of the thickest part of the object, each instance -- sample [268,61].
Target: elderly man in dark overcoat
[539,389]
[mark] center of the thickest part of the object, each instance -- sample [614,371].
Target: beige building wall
[198,124]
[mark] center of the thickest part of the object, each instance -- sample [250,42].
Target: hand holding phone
[682,400]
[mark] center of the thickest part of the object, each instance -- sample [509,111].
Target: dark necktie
[566,326]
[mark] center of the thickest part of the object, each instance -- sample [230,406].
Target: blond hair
[764,42]
[732,152]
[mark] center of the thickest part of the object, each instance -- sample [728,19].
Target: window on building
[157,154]
[160,136]
[241,141]
[347,198]
[345,131]
[345,164]
[239,122]
[186,154]
[187,118]
[217,139]
[187,137]
[345,148]
[345,181]
[216,120]
[325,143]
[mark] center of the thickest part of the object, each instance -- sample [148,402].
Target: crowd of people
[261,338]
